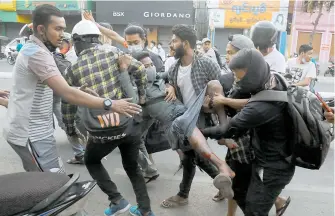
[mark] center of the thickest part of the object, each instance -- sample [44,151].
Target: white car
[13,44]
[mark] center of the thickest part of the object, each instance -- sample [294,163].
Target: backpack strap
[270,95]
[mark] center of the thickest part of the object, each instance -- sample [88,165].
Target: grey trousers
[77,148]
[144,161]
[40,156]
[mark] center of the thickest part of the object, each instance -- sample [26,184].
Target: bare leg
[232,207]
[199,144]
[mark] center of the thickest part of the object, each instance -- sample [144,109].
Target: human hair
[160,43]
[185,33]
[305,48]
[42,14]
[141,55]
[154,43]
[241,60]
[136,29]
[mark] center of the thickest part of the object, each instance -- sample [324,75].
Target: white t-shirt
[169,62]
[276,61]
[185,85]
[161,53]
[301,71]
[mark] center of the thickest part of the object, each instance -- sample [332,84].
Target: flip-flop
[152,178]
[171,203]
[218,197]
[224,184]
[282,209]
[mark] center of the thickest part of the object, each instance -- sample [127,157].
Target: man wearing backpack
[100,70]
[268,124]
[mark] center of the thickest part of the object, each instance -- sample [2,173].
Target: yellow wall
[8,6]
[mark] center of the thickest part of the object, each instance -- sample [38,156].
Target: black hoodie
[267,121]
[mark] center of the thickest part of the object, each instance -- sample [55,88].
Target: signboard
[62,5]
[167,13]
[244,14]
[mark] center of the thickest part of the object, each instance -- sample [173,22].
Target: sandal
[218,197]
[172,202]
[282,209]
[76,160]
[224,184]
[151,178]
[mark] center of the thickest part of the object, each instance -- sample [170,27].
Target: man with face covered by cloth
[268,124]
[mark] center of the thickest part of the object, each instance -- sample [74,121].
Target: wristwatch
[108,104]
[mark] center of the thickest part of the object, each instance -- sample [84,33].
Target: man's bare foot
[174,201]
[224,184]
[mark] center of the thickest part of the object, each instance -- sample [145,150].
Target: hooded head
[235,44]
[251,71]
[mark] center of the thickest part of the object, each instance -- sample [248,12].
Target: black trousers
[129,148]
[242,178]
[190,161]
[264,187]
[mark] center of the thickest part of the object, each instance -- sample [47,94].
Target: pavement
[312,192]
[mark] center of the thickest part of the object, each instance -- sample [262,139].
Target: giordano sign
[167,15]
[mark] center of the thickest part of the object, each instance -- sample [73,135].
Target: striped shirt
[29,114]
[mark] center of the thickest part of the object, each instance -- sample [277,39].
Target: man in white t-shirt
[276,60]
[301,71]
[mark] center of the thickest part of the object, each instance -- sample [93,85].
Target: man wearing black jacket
[269,124]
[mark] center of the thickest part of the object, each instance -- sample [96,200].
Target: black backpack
[106,125]
[311,135]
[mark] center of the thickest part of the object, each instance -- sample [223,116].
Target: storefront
[236,17]
[70,9]
[157,17]
[323,40]
[10,21]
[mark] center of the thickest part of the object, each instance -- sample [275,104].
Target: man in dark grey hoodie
[268,124]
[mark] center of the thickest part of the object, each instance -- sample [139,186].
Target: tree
[318,7]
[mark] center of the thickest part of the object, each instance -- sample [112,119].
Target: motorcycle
[317,66]
[43,194]
[330,70]
[11,58]
[2,38]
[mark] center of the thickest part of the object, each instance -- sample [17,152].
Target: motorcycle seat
[20,192]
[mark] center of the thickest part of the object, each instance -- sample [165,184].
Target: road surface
[312,192]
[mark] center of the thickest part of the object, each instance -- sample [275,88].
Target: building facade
[229,17]
[323,41]
[157,17]
[14,14]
